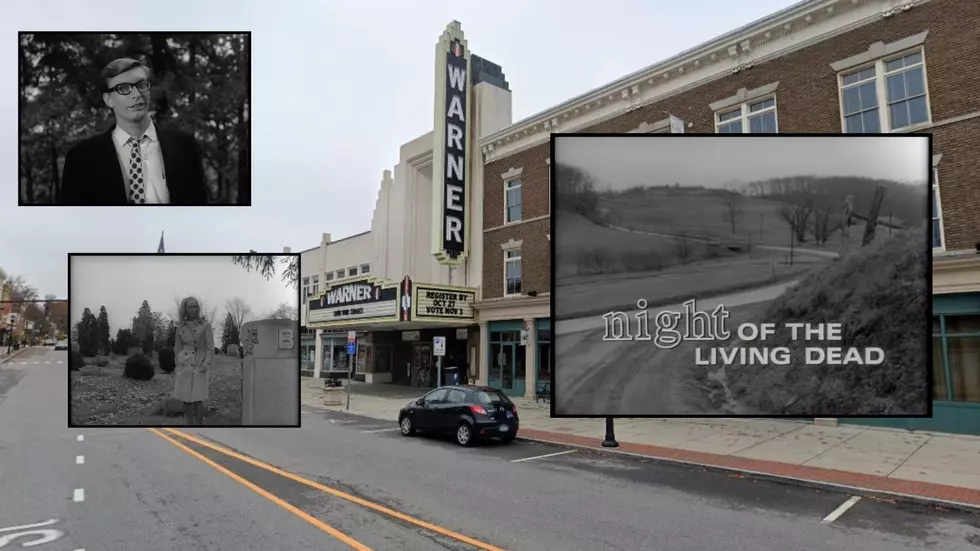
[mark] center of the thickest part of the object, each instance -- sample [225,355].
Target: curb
[11,356]
[759,475]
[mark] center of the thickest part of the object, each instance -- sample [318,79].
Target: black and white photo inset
[116,119]
[784,276]
[181,339]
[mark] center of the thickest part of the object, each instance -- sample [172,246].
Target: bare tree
[683,248]
[824,226]
[239,310]
[733,198]
[19,289]
[284,312]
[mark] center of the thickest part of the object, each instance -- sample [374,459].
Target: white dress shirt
[156,174]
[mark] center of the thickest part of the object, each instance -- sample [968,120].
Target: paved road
[344,482]
[633,378]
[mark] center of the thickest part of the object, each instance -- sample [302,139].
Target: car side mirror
[420,402]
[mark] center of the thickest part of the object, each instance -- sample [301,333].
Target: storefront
[517,343]
[396,326]
[955,350]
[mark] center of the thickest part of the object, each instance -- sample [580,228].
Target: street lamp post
[610,441]
[10,334]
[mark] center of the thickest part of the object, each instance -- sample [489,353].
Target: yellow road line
[337,493]
[291,508]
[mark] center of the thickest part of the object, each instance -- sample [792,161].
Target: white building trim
[794,28]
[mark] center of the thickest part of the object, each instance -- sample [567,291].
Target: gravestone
[232,350]
[270,373]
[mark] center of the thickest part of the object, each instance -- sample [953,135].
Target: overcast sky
[620,163]
[122,283]
[337,87]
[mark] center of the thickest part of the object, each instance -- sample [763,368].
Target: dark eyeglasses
[125,88]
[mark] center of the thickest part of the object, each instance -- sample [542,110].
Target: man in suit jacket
[135,162]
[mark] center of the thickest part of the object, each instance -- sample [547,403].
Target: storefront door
[507,362]
[422,372]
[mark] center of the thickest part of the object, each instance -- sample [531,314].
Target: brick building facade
[820,66]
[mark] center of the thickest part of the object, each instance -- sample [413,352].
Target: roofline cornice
[726,54]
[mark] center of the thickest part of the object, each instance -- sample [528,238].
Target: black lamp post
[610,441]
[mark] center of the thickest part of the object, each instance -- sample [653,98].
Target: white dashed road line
[81,437]
[79,459]
[543,456]
[79,495]
[389,429]
[841,510]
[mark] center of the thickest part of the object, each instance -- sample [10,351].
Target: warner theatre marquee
[370,303]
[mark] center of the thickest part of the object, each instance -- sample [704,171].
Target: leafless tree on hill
[683,248]
[577,189]
[797,214]
[733,198]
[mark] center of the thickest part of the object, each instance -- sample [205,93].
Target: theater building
[845,66]
[415,275]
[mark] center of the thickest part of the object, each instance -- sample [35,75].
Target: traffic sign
[439,346]
[351,348]
[351,337]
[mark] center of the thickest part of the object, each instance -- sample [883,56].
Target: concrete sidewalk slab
[897,464]
[13,354]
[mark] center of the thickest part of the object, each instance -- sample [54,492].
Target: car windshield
[493,398]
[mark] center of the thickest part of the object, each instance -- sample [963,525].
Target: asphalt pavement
[633,377]
[346,482]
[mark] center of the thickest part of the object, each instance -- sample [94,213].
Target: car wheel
[407,427]
[464,434]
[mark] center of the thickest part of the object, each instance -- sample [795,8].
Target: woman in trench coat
[194,355]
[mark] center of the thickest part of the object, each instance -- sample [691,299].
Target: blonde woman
[194,355]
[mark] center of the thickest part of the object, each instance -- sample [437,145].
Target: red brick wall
[807,100]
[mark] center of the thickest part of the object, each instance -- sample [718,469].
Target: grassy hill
[584,248]
[881,296]
[708,213]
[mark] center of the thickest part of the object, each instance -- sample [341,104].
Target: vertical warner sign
[450,152]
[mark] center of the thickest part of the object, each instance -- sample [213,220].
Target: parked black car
[467,412]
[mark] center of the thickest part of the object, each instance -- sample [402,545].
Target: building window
[316,285]
[550,205]
[956,358]
[340,274]
[328,276]
[898,83]
[306,288]
[512,201]
[937,213]
[352,271]
[512,272]
[755,117]
[365,269]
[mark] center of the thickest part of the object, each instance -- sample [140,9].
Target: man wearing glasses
[135,162]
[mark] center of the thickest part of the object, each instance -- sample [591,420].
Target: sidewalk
[941,469]
[13,353]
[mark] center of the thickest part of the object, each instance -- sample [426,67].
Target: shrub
[167,360]
[76,361]
[138,367]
